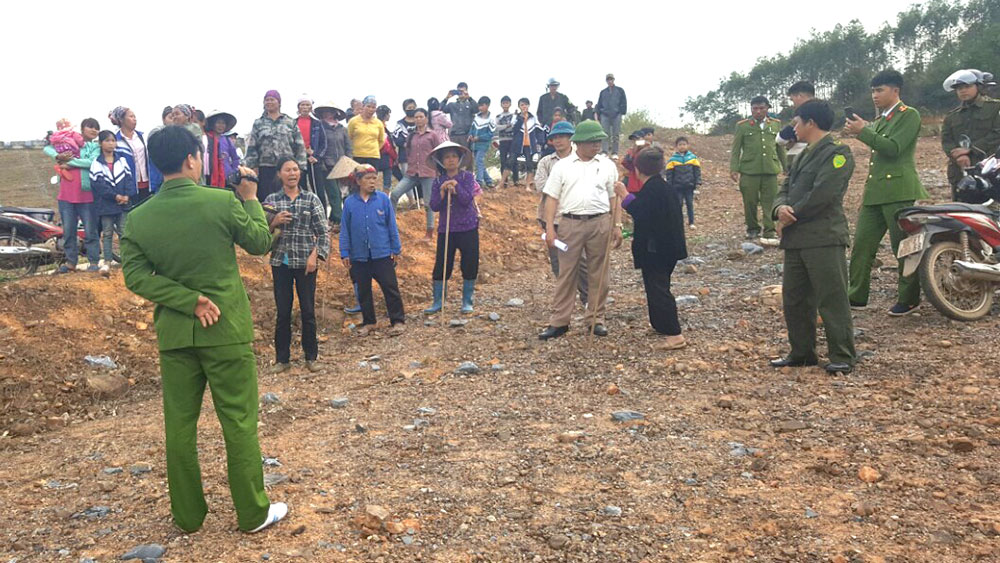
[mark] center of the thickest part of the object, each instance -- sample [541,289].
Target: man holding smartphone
[799,93]
[892,185]
[178,252]
[462,111]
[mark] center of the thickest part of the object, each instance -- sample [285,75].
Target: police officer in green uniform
[755,164]
[814,235]
[892,185]
[179,252]
[977,117]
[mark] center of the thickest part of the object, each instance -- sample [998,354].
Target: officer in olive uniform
[892,185]
[755,163]
[814,235]
[978,117]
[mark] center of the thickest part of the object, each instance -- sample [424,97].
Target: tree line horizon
[926,43]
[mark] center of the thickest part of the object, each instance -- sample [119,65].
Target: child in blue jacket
[683,173]
[114,188]
[480,138]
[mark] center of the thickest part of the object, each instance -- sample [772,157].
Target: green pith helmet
[589,130]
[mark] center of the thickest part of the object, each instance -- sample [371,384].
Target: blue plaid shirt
[306,231]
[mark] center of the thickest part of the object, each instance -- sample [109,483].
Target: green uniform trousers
[231,372]
[759,190]
[873,221]
[815,279]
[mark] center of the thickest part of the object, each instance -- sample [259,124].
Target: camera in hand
[236,178]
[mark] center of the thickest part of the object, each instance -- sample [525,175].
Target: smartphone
[850,113]
[455,92]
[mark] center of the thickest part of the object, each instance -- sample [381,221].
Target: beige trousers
[587,237]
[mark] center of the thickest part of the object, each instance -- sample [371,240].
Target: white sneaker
[769,241]
[275,512]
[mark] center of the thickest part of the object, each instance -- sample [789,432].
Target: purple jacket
[464,216]
[230,159]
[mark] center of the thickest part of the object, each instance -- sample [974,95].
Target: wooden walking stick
[604,272]
[444,260]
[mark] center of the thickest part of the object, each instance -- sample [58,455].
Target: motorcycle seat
[953,207]
[27,210]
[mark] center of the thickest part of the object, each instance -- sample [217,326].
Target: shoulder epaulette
[741,122]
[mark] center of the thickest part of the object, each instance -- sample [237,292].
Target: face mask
[410,112]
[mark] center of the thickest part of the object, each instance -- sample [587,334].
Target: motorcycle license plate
[911,245]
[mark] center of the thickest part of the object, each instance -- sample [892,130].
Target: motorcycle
[955,246]
[24,232]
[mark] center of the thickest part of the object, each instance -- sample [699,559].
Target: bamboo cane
[444,260]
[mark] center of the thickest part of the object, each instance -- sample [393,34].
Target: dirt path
[522,461]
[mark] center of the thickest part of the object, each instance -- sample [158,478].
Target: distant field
[24,179]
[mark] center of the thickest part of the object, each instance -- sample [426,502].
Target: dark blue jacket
[368,228]
[317,138]
[152,172]
[107,182]
[536,133]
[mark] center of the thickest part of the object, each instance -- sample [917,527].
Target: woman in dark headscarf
[132,145]
[658,241]
[183,114]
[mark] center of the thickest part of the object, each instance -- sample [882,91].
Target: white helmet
[967,76]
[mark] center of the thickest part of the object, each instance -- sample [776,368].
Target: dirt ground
[521,461]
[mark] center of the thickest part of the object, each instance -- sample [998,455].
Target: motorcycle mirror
[965,142]
[54,180]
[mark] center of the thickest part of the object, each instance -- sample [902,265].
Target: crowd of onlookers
[177,248]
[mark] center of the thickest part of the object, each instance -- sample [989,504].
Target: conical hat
[229,118]
[344,167]
[337,112]
[466,155]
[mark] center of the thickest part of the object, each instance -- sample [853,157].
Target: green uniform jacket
[815,189]
[754,148]
[980,120]
[892,172]
[179,245]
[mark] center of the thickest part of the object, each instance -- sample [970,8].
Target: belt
[583,217]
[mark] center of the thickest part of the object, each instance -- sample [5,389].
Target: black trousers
[305,286]
[382,270]
[507,161]
[662,306]
[314,171]
[267,182]
[468,243]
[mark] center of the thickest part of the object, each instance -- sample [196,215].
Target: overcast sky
[80,59]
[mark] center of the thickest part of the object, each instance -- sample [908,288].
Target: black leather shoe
[788,362]
[553,332]
[835,367]
[600,330]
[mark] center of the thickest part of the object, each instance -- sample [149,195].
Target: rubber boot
[468,290]
[438,293]
[357,303]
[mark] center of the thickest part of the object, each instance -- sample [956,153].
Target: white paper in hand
[559,244]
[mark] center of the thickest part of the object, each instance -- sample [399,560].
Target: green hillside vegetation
[927,43]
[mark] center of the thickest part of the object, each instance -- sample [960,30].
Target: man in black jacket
[611,106]
[551,100]
[658,241]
